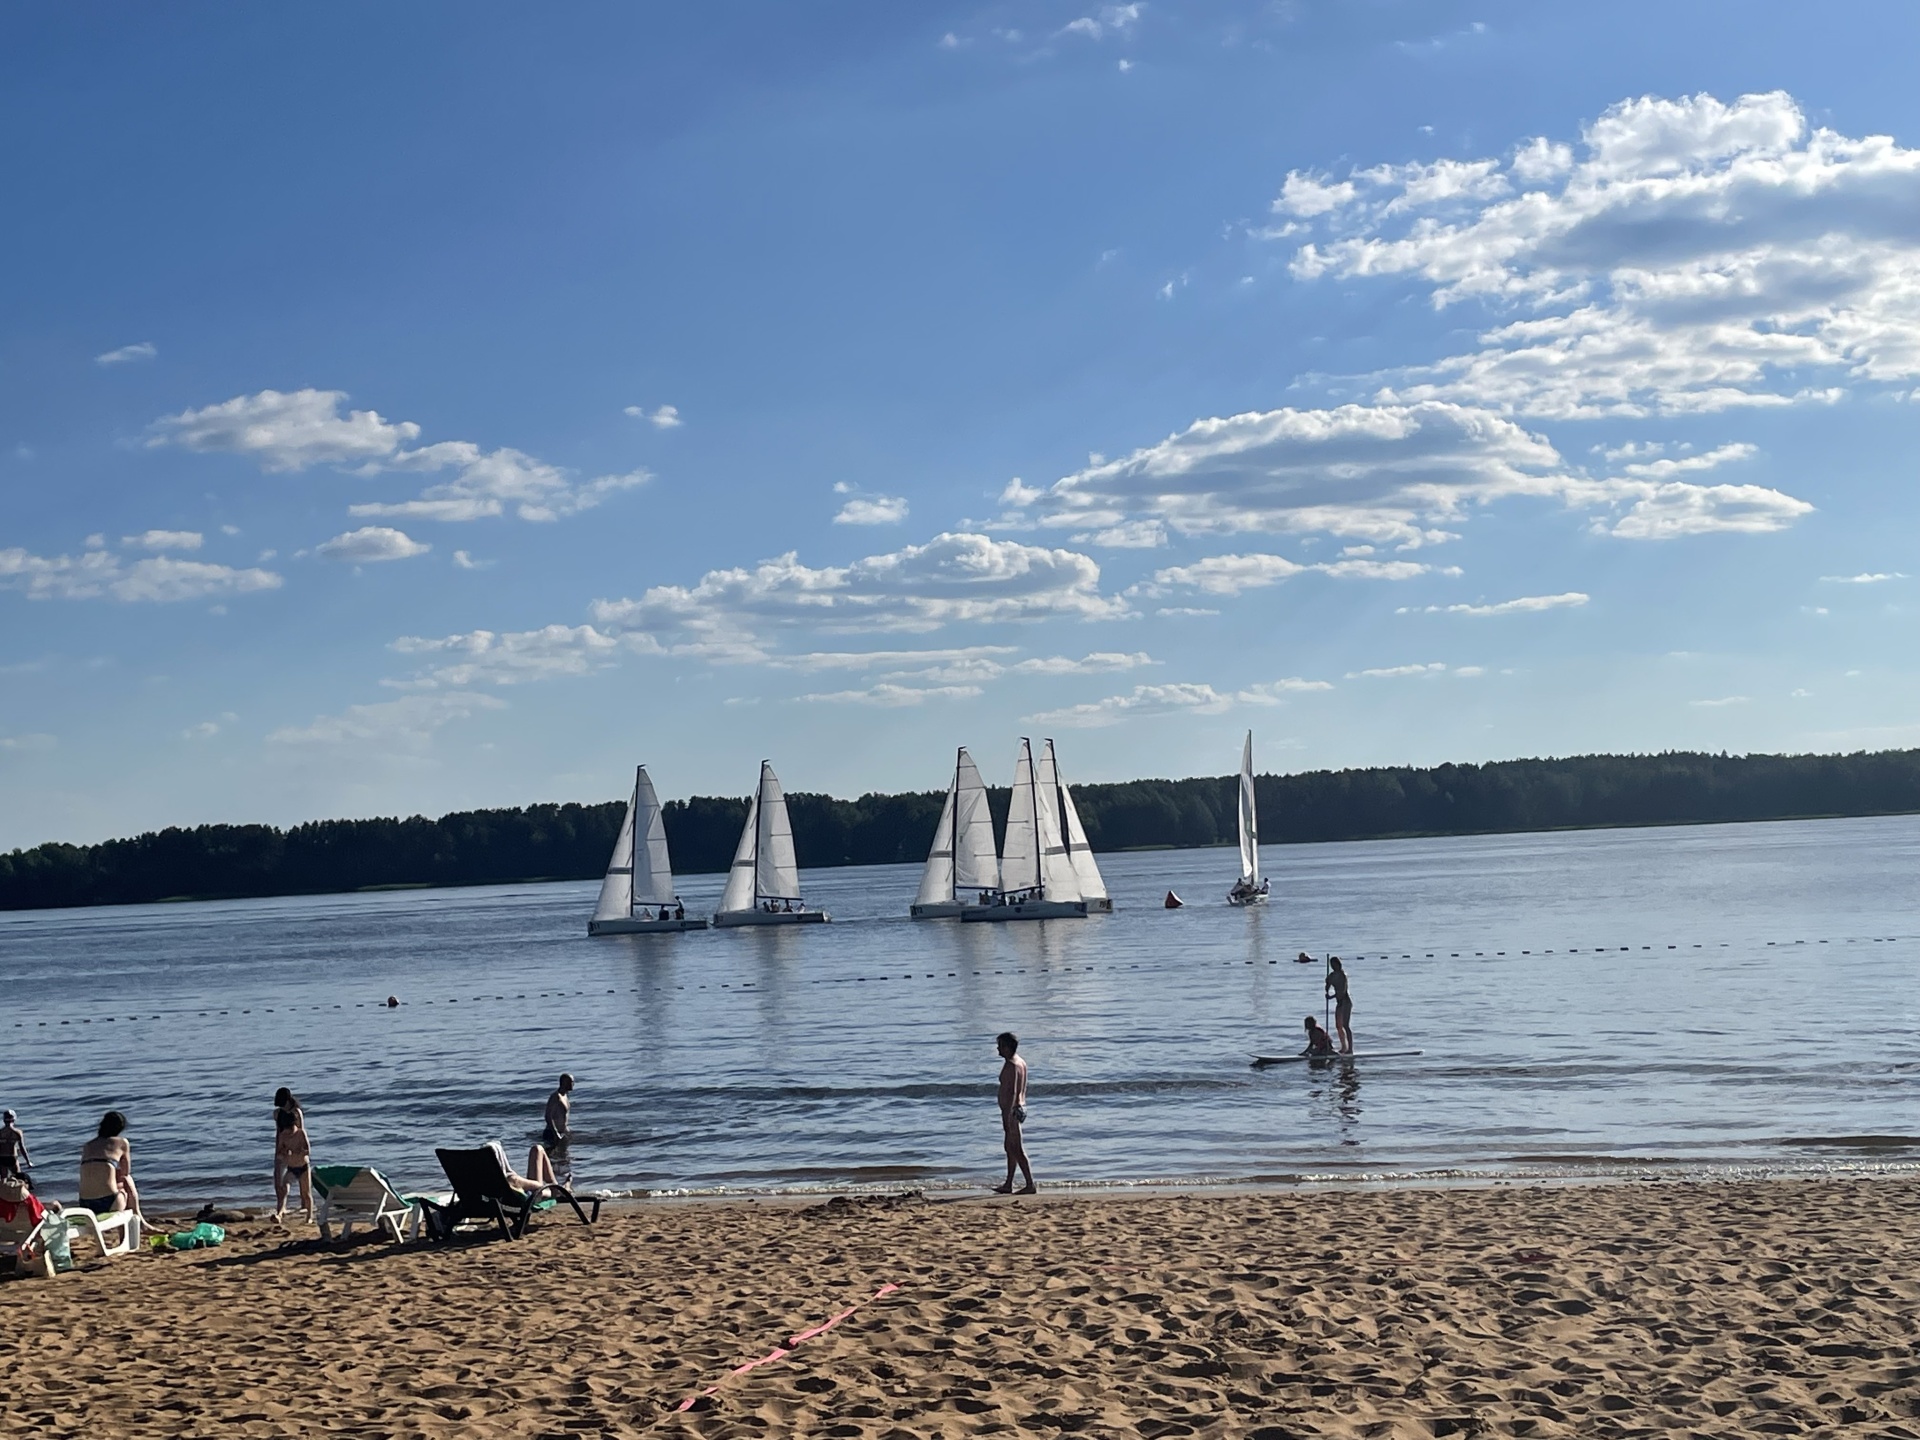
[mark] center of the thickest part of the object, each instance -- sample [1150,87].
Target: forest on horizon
[572,841]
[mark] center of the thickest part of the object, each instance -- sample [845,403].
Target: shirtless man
[14,1160]
[559,1116]
[1013,1113]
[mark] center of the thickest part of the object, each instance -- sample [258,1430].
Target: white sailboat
[1249,889]
[763,886]
[962,857]
[1093,887]
[1036,873]
[637,895]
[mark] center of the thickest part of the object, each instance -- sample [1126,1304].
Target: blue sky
[410,408]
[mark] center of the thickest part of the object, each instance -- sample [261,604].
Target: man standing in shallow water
[1013,1112]
[559,1116]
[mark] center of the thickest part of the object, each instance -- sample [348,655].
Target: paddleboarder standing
[1342,1003]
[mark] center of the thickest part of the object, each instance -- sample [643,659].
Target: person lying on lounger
[539,1175]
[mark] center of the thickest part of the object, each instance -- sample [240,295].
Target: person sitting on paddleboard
[1318,1041]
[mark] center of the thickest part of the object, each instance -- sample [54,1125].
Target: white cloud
[1274,692]
[1870,578]
[1688,255]
[370,544]
[1133,535]
[1524,605]
[1185,610]
[1390,672]
[464,561]
[409,721]
[288,432]
[1666,469]
[205,730]
[1099,662]
[1716,704]
[482,657]
[662,417]
[128,354]
[730,614]
[164,540]
[1112,20]
[95,574]
[1232,574]
[1669,511]
[879,510]
[1170,699]
[889,659]
[893,697]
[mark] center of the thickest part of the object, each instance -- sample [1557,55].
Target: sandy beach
[1775,1307]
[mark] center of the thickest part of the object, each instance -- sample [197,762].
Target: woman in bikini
[292,1158]
[106,1169]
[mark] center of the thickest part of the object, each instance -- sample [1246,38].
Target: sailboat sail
[936,881]
[1093,885]
[976,866]
[1249,819]
[739,892]
[1020,853]
[647,835]
[616,891]
[1057,871]
[777,871]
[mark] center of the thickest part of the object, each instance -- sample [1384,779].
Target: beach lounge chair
[482,1195]
[31,1244]
[353,1195]
[116,1233]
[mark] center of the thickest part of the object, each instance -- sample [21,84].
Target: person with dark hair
[1318,1041]
[558,1122]
[1013,1112]
[1342,1003]
[106,1169]
[14,1160]
[292,1159]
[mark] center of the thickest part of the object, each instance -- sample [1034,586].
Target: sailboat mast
[1033,789]
[633,836]
[953,832]
[759,811]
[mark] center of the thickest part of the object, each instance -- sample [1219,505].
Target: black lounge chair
[481,1194]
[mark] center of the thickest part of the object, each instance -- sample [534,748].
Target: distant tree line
[556,842]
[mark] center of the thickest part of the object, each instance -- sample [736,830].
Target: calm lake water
[1734,997]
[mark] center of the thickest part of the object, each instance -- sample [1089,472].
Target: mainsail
[1020,852]
[739,892]
[616,891]
[647,834]
[1057,873]
[1092,885]
[1249,820]
[777,873]
[976,866]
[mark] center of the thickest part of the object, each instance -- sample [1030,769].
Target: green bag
[199,1237]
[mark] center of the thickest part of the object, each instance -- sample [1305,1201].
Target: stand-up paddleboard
[1358,1055]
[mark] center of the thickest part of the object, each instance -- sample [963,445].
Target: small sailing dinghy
[1093,888]
[1249,889]
[963,857]
[637,895]
[1036,873]
[763,886]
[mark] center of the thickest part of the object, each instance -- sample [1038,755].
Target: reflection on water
[1734,995]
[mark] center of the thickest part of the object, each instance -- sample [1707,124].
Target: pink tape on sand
[780,1352]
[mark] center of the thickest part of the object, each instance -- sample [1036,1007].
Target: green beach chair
[360,1195]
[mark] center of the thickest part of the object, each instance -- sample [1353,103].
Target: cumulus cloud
[1099,662]
[102,574]
[371,544]
[1111,20]
[1394,672]
[875,510]
[164,540]
[894,660]
[484,657]
[128,354]
[1524,605]
[1173,699]
[409,722]
[661,417]
[1131,535]
[730,614]
[893,697]
[1685,256]
[294,431]
[1275,692]
[1876,577]
[1669,511]
[1232,574]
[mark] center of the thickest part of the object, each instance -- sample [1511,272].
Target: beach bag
[56,1240]
[198,1237]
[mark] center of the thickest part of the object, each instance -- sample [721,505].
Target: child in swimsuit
[292,1159]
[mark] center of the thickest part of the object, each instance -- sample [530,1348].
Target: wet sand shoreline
[1725,1308]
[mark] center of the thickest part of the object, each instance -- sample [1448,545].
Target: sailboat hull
[1101,905]
[618,926]
[942,909]
[1239,898]
[727,919]
[1028,910]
